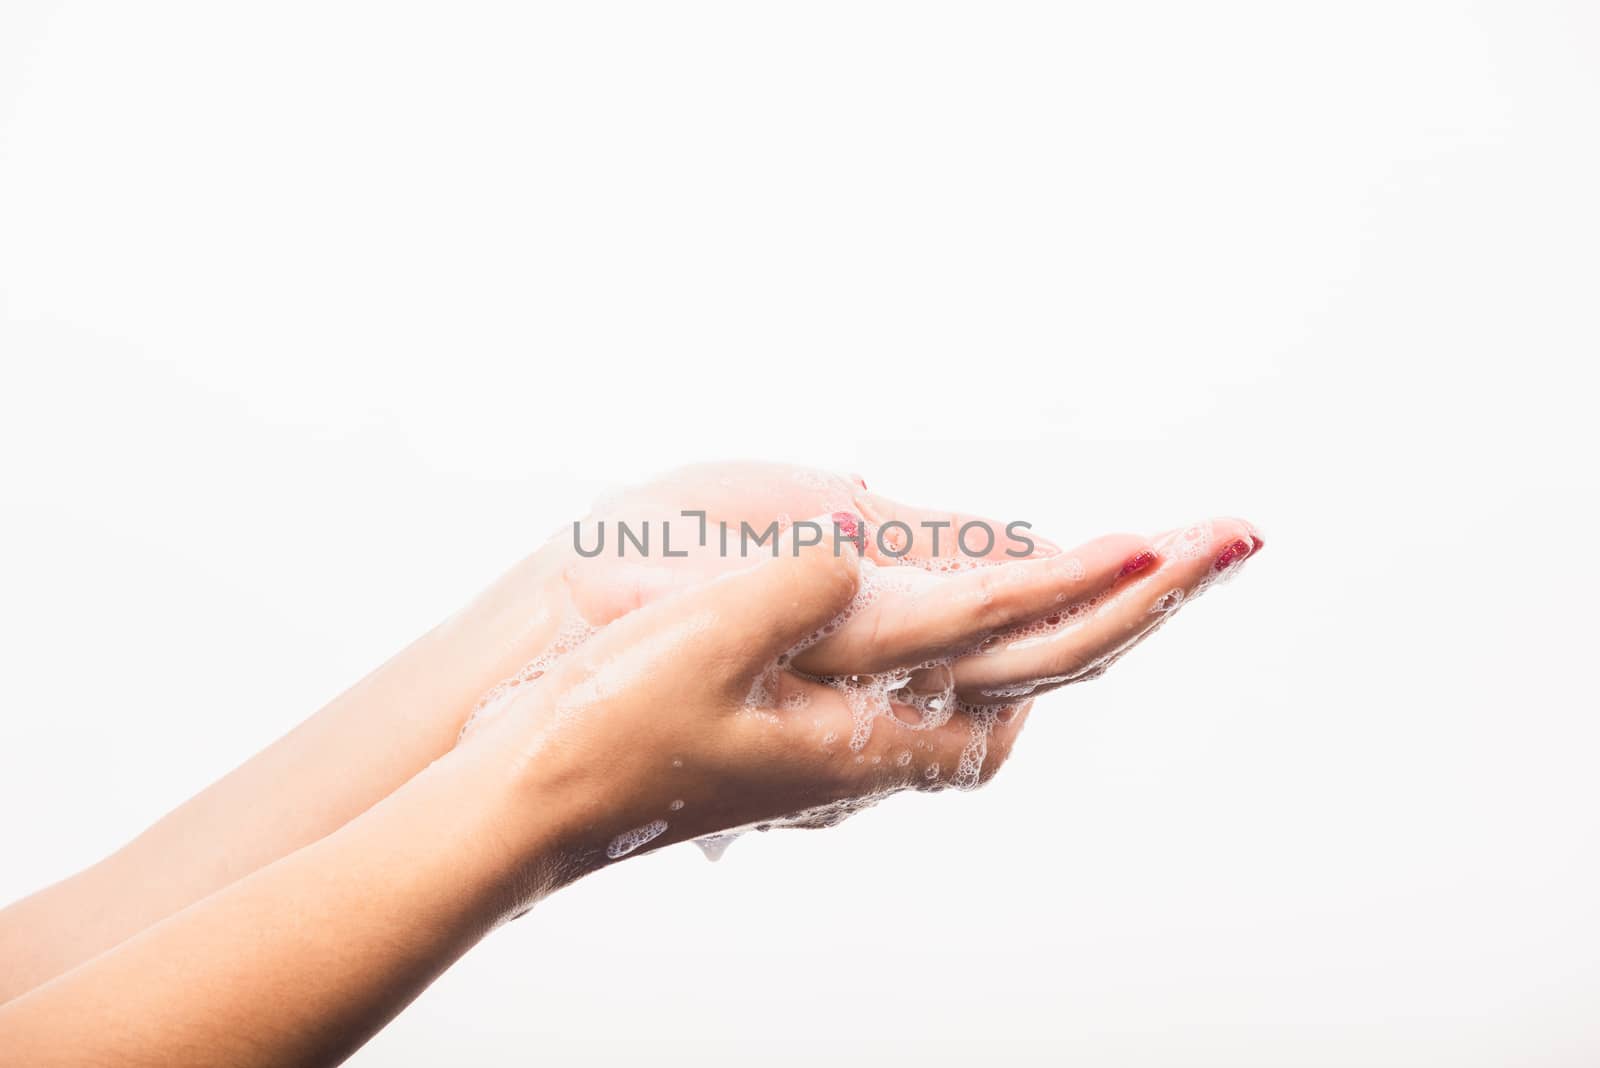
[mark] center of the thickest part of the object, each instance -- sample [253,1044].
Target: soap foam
[572,634]
[714,845]
[628,841]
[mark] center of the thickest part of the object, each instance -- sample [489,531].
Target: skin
[411,849]
[958,614]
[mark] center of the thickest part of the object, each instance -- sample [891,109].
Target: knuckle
[731,664]
[834,576]
[991,607]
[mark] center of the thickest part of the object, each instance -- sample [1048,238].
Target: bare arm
[328,770]
[302,961]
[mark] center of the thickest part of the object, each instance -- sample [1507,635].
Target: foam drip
[714,845]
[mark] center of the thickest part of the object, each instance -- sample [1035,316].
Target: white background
[315,316]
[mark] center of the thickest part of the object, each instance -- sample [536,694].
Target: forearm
[326,771]
[300,962]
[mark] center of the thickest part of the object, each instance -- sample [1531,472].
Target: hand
[1081,641]
[645,735]
[937,602]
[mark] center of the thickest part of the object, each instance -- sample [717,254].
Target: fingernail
[1257,543]
[1236,551]
[860,481]
[1137,562]
[849,525]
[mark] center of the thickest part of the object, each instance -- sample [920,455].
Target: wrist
[495,634]
[556,805]
[511,836]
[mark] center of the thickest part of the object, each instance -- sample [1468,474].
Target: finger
[734,627]
[892,753]
[898,749]
[759,613]
[605,590]
[965,751]
[1093,633]
[902,531]
[917,617]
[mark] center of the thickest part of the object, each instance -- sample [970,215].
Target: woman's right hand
[646,735]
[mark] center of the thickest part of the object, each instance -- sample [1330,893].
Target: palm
[621,578]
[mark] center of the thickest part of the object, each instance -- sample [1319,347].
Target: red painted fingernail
[1257,542]
[1237,550]
[1137,562]
[849,527]
[860,481]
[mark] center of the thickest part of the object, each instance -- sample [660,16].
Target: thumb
[766,610]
